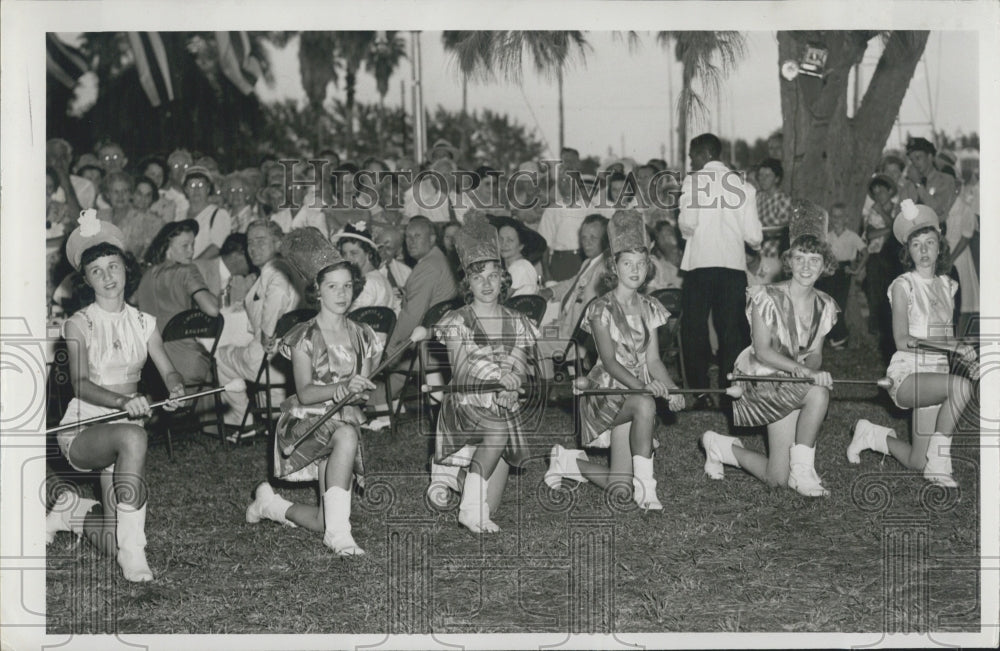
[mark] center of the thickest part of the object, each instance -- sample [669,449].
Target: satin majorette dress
[465,416]
[631,334]
[766,402]
[330,364]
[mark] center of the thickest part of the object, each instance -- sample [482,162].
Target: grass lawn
[885,552]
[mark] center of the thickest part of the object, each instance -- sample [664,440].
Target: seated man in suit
[271,295]
[430,283]
[568,298]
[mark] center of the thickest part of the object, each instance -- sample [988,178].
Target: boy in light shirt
[851,253]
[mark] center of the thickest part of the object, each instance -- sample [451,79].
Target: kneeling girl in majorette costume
[332,357]
[923,302]
[623,323]
[109,342]
[488,344]
[788,322]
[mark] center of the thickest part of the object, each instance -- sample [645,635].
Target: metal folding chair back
[195,324]
[530,305]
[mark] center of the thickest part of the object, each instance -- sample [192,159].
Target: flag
[237,62]
[65,63]
[151,63]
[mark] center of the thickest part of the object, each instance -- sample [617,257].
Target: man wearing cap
[214,223]
[718,217]
[930,187]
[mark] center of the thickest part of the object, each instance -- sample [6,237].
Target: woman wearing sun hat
[356,245]
[109,342]
[923,301]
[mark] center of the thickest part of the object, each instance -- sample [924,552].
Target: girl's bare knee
[346,435]
[644,407]
[134,440]
[818,396]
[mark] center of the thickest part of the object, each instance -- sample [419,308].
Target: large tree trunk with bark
[829,157]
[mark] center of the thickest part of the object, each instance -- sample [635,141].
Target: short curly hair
[83,293]
[465,288]
[810,244]
[357,280]
[942,265]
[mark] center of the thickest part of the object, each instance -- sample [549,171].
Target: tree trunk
[562,118]
[829,157]
[463,143]
[687,75]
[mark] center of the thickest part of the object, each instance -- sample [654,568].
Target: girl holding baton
[109,341]
[788,322]
[331,358]
[623,323]
[923,302]
[487,343]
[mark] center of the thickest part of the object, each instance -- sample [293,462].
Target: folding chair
[530,305]
[670,335]
[191,324]
[260,392]
[383,321]
[431,354]
[579,341]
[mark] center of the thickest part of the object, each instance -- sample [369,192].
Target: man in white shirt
[560,226]
[431,197]
[718,216]
[390,246]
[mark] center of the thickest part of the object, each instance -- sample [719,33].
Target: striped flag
[236,60]
[151,63]
[65,63]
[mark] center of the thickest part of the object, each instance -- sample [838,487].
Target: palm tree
[697,52]
[382,60]
[484,54]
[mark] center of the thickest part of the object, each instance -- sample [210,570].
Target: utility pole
[419,128]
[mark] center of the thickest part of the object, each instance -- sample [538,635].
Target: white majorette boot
[337,520]
[131,536]
[803,477]
[718,451]
[938,467]
[443,480]
[269,505]
[643,484]
[474,512]
[67,514]
[868,436]
[564,464]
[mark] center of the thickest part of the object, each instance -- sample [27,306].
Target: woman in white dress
[520,248]
[356,245]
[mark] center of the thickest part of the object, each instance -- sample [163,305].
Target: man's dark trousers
[722,292]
